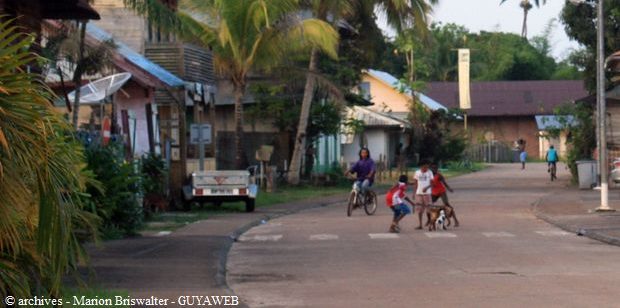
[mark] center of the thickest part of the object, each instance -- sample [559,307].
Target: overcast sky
[488,15]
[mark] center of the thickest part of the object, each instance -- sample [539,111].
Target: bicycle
[355,200]
[552,171]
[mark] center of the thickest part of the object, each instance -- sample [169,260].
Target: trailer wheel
[249,205]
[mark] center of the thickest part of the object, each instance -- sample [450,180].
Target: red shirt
[396,193]
[437,186]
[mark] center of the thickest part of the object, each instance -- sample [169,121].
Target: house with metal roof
[389,95]
[133,110]
[504,112]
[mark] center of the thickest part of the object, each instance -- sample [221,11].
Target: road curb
[589,233]
[221,275]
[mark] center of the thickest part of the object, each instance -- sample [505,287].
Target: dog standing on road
[438,215]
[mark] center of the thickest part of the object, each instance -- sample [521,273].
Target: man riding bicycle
[551,158]
[365,171]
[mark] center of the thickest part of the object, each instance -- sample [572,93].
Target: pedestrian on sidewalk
[395,200]
[438,190]
[523,158]
[422,179]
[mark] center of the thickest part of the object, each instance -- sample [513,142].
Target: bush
[118,202]
[153,174]
[581,129]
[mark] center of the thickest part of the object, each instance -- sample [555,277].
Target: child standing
[394,200]
[523,157]
[422,179]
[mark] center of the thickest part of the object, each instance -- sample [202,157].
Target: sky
[489,15]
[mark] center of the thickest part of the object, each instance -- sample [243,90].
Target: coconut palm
[41,178]
[245,36]
[400,14]
[526,5]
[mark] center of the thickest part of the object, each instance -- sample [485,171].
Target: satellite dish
[96,91]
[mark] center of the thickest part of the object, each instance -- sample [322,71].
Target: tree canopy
[495,56]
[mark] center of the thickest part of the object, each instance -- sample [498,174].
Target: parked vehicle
[222,186]
[615,172]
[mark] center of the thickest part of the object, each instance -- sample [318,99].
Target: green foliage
[119,206]
[494,56]
[276,103]
[42,179]
[580,25]
[325,119]
[153,174]
[581,133]
[439,144]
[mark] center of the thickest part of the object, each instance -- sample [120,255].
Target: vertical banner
[464,96]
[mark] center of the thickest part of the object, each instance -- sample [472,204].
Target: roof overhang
[68,9]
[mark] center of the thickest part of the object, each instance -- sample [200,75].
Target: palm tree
[245,36]
[526,5]
[400,14]
[41,179]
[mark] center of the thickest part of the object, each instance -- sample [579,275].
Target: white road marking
[553,233]
[498,234]
[163,233]
[323,237]
[383,235]
[440,234]
[261,238]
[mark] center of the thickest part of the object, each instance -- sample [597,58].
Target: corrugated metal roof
[373,118]
[392,81]
[511,98]
[551,122]
[136,58]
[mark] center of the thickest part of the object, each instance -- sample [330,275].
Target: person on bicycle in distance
[551,158]
[365,171]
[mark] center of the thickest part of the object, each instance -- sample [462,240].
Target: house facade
[504,112]
[386,125]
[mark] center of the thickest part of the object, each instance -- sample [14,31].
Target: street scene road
[500,256]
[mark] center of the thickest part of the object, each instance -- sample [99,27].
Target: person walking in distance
[395,201]
[523,158]
[422,179]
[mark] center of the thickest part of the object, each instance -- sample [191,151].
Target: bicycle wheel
[370,204]
[553,170]
[351,203]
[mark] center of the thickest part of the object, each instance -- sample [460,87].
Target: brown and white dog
[436,214]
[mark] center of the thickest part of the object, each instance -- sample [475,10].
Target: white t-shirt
[424,180]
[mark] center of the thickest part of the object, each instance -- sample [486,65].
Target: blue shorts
[400,209]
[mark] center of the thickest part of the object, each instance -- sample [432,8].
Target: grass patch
[460,170]
[79,297]
[171,221]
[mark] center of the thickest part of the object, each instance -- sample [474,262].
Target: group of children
[429,186]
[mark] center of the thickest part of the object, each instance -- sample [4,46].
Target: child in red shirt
[394,200]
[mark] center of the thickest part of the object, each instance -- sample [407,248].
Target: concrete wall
[558,142]
[385,97]
[504,129]
[123,24]
[135,98]
[378,145]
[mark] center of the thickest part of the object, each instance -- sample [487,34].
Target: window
[365,90]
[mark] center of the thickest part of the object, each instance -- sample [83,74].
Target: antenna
[96,91]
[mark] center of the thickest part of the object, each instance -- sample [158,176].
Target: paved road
[501,256]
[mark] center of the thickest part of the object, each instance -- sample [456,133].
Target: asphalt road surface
[500,256]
